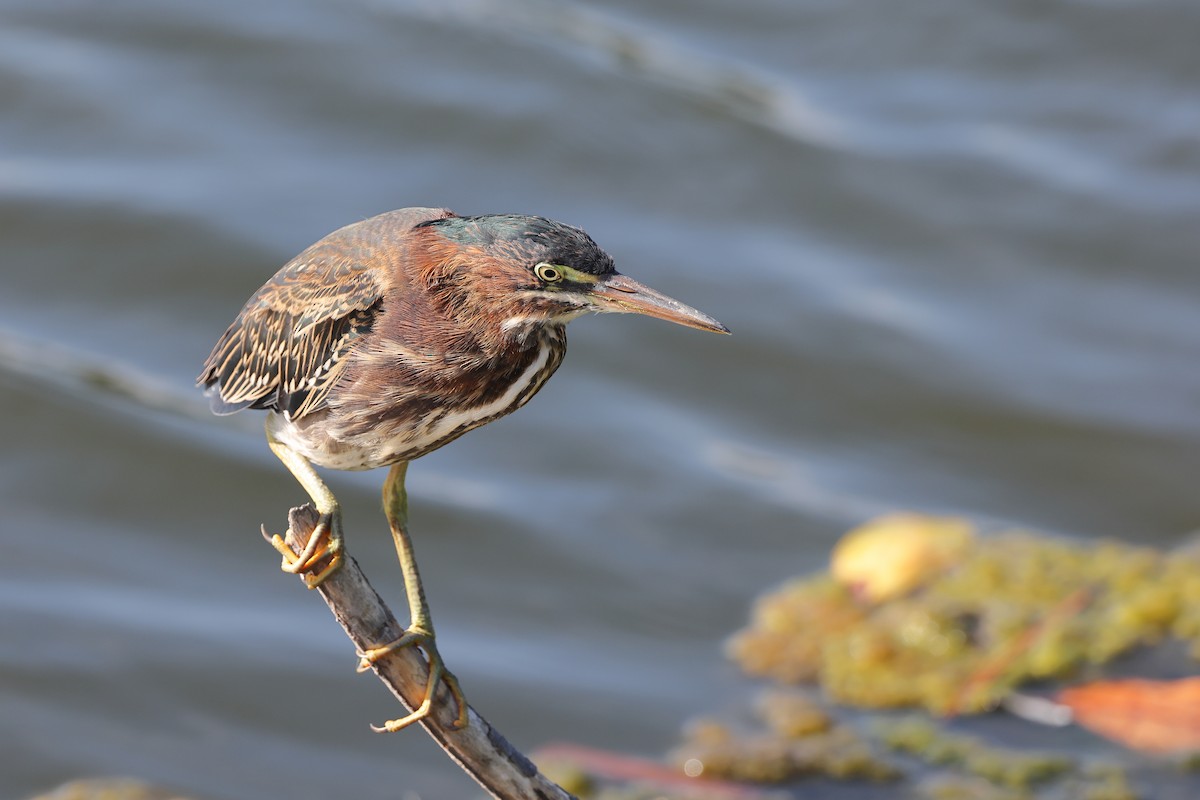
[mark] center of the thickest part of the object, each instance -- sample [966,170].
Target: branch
[478,748]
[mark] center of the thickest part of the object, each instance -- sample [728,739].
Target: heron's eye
[548,272]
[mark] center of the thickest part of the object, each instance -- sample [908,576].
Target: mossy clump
[1182,574]
[789,627]
[1012,769]
[1110,785]
[109,789]
[1014,607]
[796,738]
[965,787]
[1101,782]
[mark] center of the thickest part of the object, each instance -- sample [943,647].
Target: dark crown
[537,238]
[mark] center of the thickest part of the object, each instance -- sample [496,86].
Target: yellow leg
[420,630]
[326,538]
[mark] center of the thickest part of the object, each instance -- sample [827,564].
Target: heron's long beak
[622,294]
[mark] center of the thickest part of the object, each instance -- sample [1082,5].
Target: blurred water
[956,244]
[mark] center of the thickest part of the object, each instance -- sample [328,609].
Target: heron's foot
[325,542]
[424,639]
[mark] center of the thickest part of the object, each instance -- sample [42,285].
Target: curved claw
[415,637]
[325,541]
[334,551]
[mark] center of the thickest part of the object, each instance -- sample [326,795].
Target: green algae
[794,737]
[109,789]
[1017,607]
[1011,769]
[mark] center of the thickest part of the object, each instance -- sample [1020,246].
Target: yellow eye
[548,272]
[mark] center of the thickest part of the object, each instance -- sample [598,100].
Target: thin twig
[990,673]
[478,748]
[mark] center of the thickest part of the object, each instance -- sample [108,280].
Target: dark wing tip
[218,405]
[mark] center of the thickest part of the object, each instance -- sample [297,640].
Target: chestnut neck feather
[438,341]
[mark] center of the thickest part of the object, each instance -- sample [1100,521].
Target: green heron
[396,335]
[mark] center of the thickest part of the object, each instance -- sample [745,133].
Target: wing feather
[288,345]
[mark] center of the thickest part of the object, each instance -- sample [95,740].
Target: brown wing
[287,347]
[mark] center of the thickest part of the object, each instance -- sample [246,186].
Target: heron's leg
[326,538]
[420,630]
